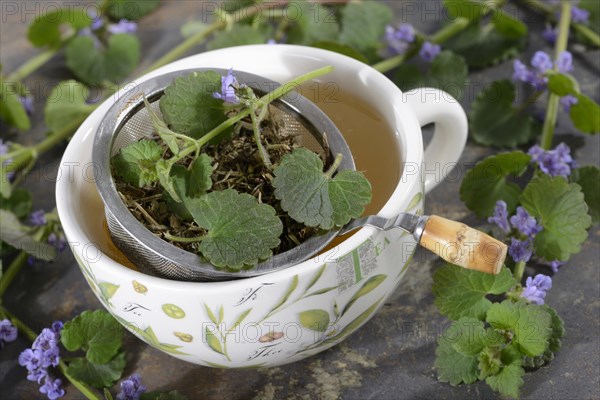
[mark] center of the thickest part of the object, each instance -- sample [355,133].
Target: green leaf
[45,30]
[452,366]
[240,230]
[586,114]
[485,45]
[200,176]
[560,208]
[213,342]
[188,105]
[96,66]
[530,325]
[136,162]
[315,278]
[66,105]
[367,287]
[448,72]
[108,289]
[558,329]
[316,320]
[131,9]
[588,177]
[494,120]
[161,128]
[315,23]
[11,108]
[239,35]
[461,292]
[291,288]
[489,362]
[18,236]
[342,49]
[508,381]
[97,375]
[355,324]
[19,203]
[363,25]
[469,9]
[96,332]
[240,318]
[487,182]
[563,84]
[471,337]
[508,26]
[169,176]
[211,315]
[312,197]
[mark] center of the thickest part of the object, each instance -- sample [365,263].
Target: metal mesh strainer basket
[128,121]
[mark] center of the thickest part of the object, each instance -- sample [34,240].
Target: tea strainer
[127,121]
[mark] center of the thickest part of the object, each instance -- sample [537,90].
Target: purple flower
[228,86]
[123,26]
[131,388]
[555,265]
[579,15]
[31,359]
[541,61]
[57,327]
[58,241]
[46,340]
[525,223]
[37,218]
[557,162]
[536,288]
[271,41]
[500,216]
[533,77]
[8,332]
[550,34]
[429,51]
[567,102]
[564,62]
[52,388]
[399,39]
[97,23]
[27,103]
[37,375]
[520,250]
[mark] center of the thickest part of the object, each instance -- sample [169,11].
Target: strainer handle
[443,152]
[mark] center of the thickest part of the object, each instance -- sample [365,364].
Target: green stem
[16,265]
[31,335]
[32,65]
[443,35]
[180,239]
[554,99]
[550,12]
[9,275]
[334,166]
[193,41]
[519,270]
[261,149]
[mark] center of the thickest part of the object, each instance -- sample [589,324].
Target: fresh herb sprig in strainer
[232,229]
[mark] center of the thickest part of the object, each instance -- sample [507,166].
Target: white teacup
[287,315]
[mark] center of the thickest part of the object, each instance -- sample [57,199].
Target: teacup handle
[451,128]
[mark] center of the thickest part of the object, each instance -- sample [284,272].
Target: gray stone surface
[389,358]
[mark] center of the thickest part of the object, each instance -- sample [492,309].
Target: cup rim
[406,122]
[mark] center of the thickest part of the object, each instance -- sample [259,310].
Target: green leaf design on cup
[366,288]
[316,320]
[173,311]
[108,289]
[213,342]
